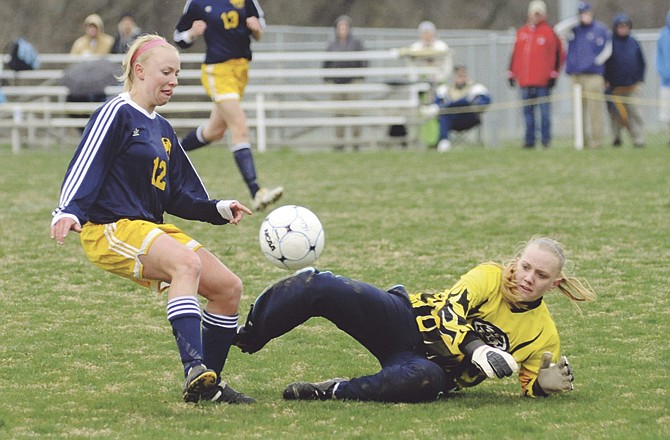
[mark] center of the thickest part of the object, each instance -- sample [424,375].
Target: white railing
[286,90]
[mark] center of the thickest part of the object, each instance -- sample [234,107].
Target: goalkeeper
[492,324]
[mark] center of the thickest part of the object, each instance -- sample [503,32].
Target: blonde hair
[137,53]
[569,286]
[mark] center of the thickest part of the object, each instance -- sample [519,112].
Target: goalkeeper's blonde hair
[570,286]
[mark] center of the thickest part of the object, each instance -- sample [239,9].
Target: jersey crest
[491,334]
[167,144]
[238,4]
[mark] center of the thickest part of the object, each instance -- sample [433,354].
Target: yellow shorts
[226,80]
[116,247]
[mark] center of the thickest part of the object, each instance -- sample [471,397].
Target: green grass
[84,354]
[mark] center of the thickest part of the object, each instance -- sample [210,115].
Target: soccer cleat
[224,393]
[265,197]
[311,391]
[199,380]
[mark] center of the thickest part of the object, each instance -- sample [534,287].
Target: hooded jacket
[663,53]
[627,65]
[100,45]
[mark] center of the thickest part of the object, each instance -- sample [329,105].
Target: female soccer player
[227,27]
[492,323]
[127,171]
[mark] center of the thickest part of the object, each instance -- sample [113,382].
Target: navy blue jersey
[129,164]
[227,36]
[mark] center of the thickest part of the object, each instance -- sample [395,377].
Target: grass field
[86,355]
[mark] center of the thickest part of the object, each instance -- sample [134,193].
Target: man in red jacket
[536,61]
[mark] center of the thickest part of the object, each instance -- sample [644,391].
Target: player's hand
[555,378]
[238,212]
[62,227]
[253,24]
[198,28]
[232,210]
[494,362]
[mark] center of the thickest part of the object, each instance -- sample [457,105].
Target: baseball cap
[622,19]
[537,7]
[426,26]
[584,7]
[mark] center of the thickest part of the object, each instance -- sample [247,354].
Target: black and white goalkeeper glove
[493,362]
[553,378]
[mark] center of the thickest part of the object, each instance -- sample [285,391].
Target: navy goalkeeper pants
[382,321]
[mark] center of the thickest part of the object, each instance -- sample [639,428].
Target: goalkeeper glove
[493,362]
[554,378]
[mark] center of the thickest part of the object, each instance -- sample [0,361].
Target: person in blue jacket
[458,106]
[589,46]
[624,75]
[128,170]
[663,70]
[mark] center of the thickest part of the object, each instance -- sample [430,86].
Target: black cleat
[199,380]
[311,391]
[224,393]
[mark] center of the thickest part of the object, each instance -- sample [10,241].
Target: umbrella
[91,77]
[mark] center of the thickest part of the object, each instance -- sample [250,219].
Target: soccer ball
[291,237]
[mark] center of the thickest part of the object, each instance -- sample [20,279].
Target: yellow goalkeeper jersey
[475,307]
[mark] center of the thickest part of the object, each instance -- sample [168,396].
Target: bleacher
[287,101]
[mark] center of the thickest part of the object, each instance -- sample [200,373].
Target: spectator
[589,47]
[463,92]
[95,41]
[624,75]
[87,80]
[128,31]
[429,51]
[344,42]
[663,70]
[536,61]
[225,73]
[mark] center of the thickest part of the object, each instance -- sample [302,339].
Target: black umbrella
[90,78]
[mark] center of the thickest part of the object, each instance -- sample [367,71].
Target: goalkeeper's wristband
[538,391]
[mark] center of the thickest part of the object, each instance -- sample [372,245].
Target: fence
[289,105]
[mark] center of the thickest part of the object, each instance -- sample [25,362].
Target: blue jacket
[663,53]
[627,65]
[588,46]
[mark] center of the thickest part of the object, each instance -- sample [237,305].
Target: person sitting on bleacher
[462,92]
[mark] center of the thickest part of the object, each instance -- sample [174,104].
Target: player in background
[227,26]
[492,323]
[129,170]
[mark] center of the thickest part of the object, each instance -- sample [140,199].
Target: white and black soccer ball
[291,237]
